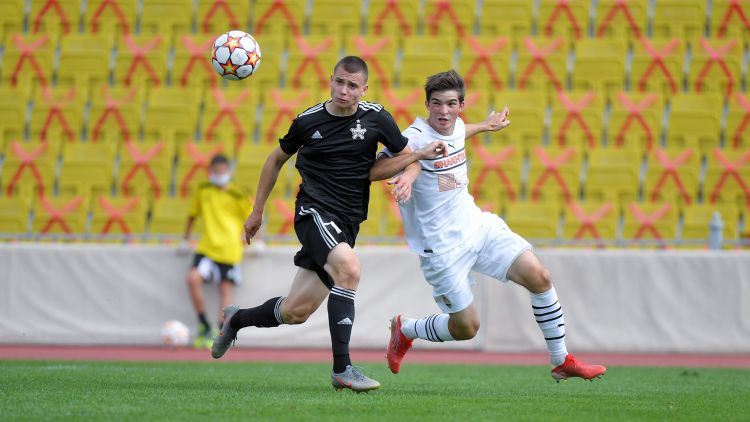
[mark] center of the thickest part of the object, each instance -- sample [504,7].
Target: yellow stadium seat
[28,168]
[565,18]
[626,21]
[613,175]
[716,66]
[737,131]
[11,17]
[577,118]
[454,18]
[54,17]
[527,111]
[192,65]
[14,217]
[379,52]
[485,62]
[554,174]
[649,224]
[591,223]
[727,176]
[494,172]
[118,218]
[282,18]
[145,169]
[229,116]
[270,73]
[510,18]
[280,108]
[392,18]
[61,216]
[416,67]
[310,63]
[405,104]
[13,103]
[280,217]
[541,65]
[672,176]
[171,115]
[534,220]
[696,220]
[192,165]
[600,66]
[58,114]
[168,218]
[337,18]
[87,169]
[477,106]
[635,120]
[217,16]
[684,19]
[657,65]
[28,60]
[695,121]
[250,160]
[110,18]
[84,61]
[142,60]
[115,114]
[166,18]
[729,19]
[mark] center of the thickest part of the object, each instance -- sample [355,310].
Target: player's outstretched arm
[493,123]
[402,182]
[386,167]
[268,176]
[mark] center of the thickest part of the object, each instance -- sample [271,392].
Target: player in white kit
[453,236]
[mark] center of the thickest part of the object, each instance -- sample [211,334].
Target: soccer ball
[236,55]
[175,334]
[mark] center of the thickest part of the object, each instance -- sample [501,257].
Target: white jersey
[441,213]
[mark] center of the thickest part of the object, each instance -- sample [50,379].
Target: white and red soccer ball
[175,334]
[236,55]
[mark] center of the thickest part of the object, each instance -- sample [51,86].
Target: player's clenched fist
[252,225]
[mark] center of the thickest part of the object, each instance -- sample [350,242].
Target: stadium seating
[250,160]
[216,16]
[716,66]
[192,165]
[657,65]
[727,176]
[510,18]
[226,115]
[405,104]
[87,169]
[57,114]
[621,20]
[14,217]
[380,52]
[453,18]
[115,114]
[577,118]
[61,216]
[166,18]
[171,114]
[695,121]
[649,224]
[424,56]
[191,67]
[168,217]
[28,169]
[283,18]
[684,19]
[13,103]
[737,131]
[613,175]
[110,18]
[485,62]
[333,17]
[11,18]
[142,60]
[280,108]
[534,220]
[116,219]
[600,66]
[84,62]
[729,19]
[527,114]
[28,60]
[563,18]
[145,169]
[592,222]
[494,172]
[635,120]
[280,213]
[55,17]
[392,17]
[310,63]
[672,176]
[696,223]
[542,65]
[554,174]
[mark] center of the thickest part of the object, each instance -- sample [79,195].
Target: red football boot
[397,346]
[575,368]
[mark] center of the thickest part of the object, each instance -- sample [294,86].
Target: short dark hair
[352,64]
[219,159]
[445,81]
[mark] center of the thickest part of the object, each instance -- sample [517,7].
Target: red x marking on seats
[392,6]
[287,213]
[55,110]
[648,221]
[141,162]
[27,159]
[551,168]
[124,25]
[562,6]
[400,108]
[113,108]
[588,221]
[735,7]
[369,53]
[716,55]
[657,60]
[731,170]
[484,56]
[635,113]
[139,56]
[670,168]
[311,54]
[538,57]
[286,109]
[52,4]
[200,162]
[215,6]
[619,5]
[228,109]
[280,6]
[744,102]
[117,214]
[574,113]
[197,54]
[27,53]
[57,215]
[445,7]
[493,164]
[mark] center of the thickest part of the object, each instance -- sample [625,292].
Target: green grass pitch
[82,391]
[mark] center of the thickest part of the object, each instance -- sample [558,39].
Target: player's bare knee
[542,280]
[194,278]
[347,275]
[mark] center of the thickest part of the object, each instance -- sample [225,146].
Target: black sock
[203,321]
[264,316]
[340,321]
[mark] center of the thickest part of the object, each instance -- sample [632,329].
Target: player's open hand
[252,225]
[401,187]
[497,121]
[433,150]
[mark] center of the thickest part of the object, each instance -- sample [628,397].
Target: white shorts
[490,251]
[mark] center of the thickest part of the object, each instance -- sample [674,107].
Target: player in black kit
[336,144]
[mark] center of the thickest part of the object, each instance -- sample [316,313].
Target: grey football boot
[354,379]
[227,335]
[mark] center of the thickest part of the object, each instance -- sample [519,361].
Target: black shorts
[216,272]
[319,232]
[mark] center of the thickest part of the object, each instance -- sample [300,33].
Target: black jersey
[335,154]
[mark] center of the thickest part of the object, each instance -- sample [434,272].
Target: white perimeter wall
[614,301]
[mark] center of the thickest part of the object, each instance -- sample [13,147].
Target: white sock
[431,328]
[548,314]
